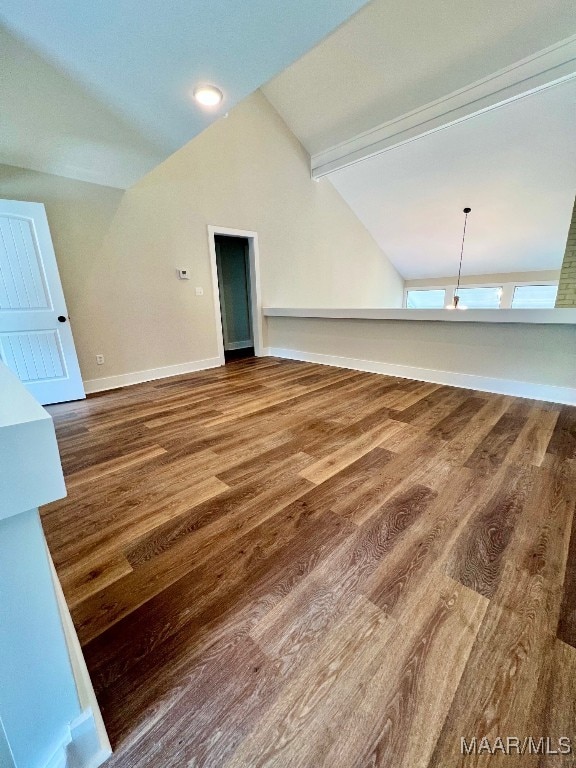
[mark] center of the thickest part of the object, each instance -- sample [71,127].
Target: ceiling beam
[544,69]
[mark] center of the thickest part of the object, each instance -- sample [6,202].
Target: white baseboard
[85,749]
[139,377]
[88,745]
[59,759]
[547,392]
[80,746]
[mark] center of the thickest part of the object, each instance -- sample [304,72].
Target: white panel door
[35,335]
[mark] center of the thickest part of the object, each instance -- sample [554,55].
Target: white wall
[246,172]
[522,359]
[80,215]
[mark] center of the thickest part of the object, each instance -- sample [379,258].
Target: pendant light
[456,300]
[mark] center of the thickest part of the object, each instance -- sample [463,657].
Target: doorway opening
[236,292]
[233,269]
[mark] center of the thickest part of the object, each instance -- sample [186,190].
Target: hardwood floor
[284,564]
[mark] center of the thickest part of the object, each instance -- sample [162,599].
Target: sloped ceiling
[49,123]
[515,166]
[102,91]
[395,56]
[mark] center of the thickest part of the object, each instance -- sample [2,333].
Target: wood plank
[472,432]
[408,399]
[126,461]
[300,726]
[534,438]
[497,690]
[397,694]
[81,583]
[492,451]
[135,523]
[563,440]
[303,616]
[431,409]
[322,470]
[450,425]
[250,496]
[515,642]
[274,557]
[412,688]
[402,573]
[106,608]
[559,702]
[478,557]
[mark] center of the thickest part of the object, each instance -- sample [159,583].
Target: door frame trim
[255,287]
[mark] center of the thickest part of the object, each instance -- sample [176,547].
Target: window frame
[450,289]
[535,285]
[431,288]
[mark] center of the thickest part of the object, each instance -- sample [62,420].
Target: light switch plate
[199,291]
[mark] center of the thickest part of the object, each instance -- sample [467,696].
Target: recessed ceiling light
[208,95]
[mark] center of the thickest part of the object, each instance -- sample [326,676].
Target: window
[426,298]
[480,298]
[534,296]
[507,295]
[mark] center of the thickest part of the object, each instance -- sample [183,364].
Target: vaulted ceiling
[515,165]
[101,91]
[394,56]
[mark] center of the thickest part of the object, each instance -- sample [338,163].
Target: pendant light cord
[462,250]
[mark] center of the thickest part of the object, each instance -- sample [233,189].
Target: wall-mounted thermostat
[184,274]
